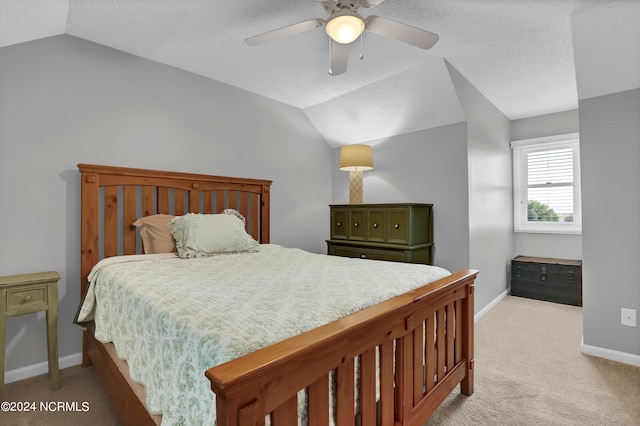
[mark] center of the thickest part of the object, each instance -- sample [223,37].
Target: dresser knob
[355,224]
[396,226]
[339,224]
[375,225]
[363,256]
[27,298]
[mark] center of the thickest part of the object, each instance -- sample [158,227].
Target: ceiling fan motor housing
[335,6]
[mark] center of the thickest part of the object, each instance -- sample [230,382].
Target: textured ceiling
[519,54]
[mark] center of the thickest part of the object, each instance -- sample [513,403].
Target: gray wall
[610,152]
[490,189]
[563,246]
[64,101]
[465,166]
[428,166]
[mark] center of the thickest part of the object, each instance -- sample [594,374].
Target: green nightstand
[26,294]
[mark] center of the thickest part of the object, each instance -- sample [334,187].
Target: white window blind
[546,181]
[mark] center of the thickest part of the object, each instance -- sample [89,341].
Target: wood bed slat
[368,387]
[345,414]
[254,229]
[129,216]
[247,415]
[440,343]
[163,200]
[286,414]
[466,385]
[318,400]
[147,200]
[178,202]
[111,221]
[386,383]
[449,313]
[194,201]
[458,319]
[232,200]
[207,199]
[430,352]
[418,353]
[265,218]
[243,207]
[88,233]
[404,381]
[220,206]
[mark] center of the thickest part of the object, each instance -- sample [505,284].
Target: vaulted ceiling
[519,54]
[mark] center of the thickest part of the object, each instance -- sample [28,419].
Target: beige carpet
[78,385]
[529,371]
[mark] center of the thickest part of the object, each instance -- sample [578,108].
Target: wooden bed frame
[411,351]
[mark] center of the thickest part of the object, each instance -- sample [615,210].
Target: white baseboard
[484,311]
[41,368]
[610,354]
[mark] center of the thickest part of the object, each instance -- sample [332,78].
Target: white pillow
[203,235]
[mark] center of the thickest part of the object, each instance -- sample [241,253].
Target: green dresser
[395,232]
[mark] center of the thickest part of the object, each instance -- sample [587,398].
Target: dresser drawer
[357,225]
[367,253]
[398,226]
[339,224]
[21,298]
[376,228]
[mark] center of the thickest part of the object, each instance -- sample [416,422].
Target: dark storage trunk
[553,280]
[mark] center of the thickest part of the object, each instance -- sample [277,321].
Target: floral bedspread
[173,318]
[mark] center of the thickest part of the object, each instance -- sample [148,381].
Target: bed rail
[410,352]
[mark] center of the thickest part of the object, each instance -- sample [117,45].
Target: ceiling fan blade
[371,3]
[401,32]
[339,58]
[287,31]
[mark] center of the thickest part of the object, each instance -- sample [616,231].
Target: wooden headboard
[114,197]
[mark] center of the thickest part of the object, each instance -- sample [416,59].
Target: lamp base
[355,187]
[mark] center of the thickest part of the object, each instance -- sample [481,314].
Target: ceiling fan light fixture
[345,28]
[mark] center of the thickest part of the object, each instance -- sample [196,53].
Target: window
[546,185]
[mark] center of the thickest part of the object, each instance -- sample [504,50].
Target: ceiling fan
[345,25]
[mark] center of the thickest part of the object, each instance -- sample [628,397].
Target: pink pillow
[155,235]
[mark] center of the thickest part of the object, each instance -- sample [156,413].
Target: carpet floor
[528,371]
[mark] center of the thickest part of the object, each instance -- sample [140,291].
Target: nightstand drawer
[22,298]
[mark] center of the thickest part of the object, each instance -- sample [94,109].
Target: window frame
[520,149]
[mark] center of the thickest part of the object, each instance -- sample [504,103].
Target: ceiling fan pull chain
[330,54]
[361,49]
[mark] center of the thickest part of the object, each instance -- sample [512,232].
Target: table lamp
[355,159]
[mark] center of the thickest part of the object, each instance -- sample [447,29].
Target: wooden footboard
[412,351]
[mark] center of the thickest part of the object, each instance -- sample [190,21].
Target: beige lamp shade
[356,158]
[345,28]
